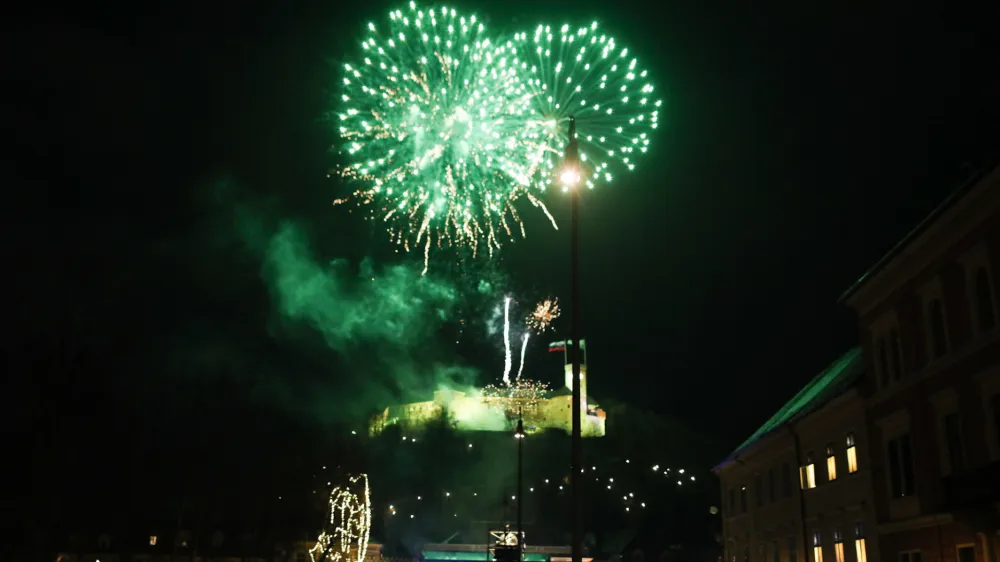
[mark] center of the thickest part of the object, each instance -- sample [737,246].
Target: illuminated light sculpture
[345,536]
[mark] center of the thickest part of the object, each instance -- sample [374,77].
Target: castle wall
[470,413]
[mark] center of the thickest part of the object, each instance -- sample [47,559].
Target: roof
[922,227]
[827,385]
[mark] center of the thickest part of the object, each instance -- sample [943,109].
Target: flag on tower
[561,345]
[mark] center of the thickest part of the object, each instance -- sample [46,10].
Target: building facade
[835,474]
[190,546]
[799,487]
[928,316]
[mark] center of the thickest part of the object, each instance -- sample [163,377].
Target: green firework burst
[585,73]
[445,129]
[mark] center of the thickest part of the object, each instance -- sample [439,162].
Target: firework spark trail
[524,346]
[506,340]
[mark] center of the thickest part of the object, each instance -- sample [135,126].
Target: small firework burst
[522,395]
[544,314]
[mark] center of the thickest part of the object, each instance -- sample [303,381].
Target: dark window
[883,364]
[859,531]
[900,467]
[732,501]
[758,490]
[817,538]
[743,499]
[896,355]
[996,417]
[776,554]
[771,485]
[786,480]
[939,333]
[967,554]
[746,554]
[984,300]
[953,437]
[792,551]
[914,556]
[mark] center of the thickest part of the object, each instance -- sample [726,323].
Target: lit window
[831,463]
[838,545]
[807,474]
[861,553]
[152,540]
[852,454]
[817,547]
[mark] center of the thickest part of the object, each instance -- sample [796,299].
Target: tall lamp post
[570,177]
[519,435]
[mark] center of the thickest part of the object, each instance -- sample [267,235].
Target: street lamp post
[570,177]
[519,435]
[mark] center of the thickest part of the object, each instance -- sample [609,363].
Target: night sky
[799,142]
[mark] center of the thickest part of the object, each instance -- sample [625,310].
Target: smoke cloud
[385,325]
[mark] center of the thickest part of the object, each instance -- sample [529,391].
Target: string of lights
[630,500]
[616,480]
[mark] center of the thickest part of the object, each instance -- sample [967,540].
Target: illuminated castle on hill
[472,411]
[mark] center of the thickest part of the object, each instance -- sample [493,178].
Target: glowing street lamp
[570,176]
[519,435]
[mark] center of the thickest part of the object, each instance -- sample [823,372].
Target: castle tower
[568,370]
[583,384]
